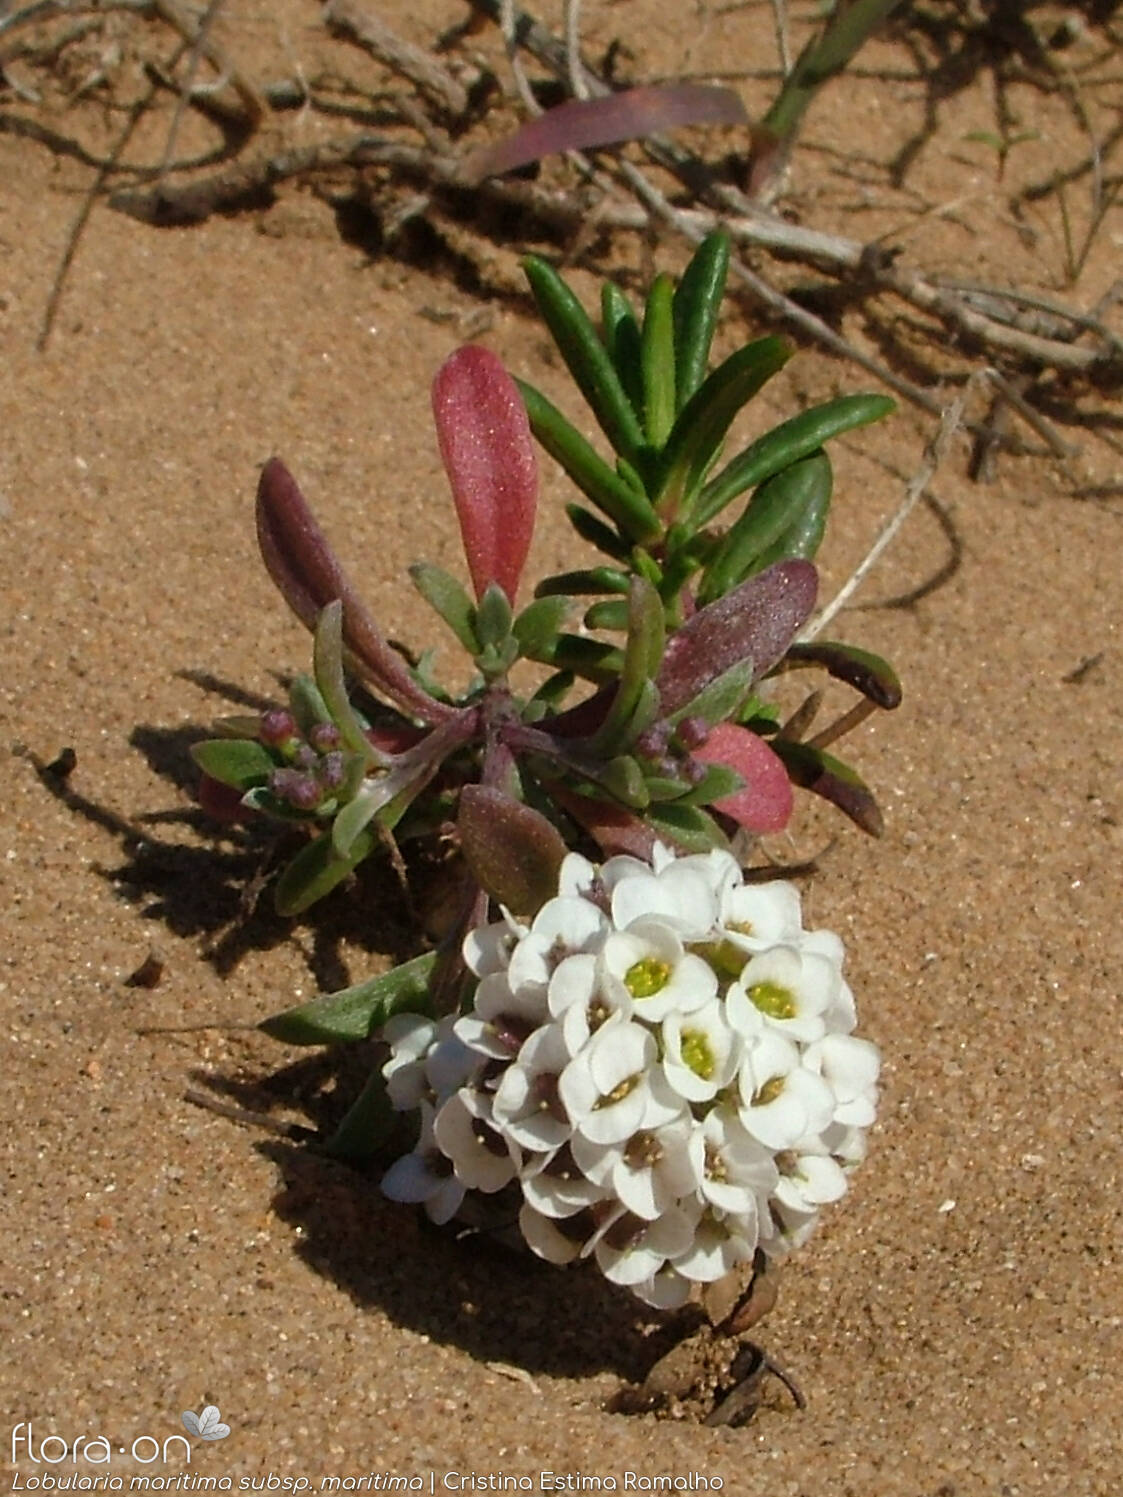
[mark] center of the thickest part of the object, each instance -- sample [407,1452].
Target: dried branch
[349,19]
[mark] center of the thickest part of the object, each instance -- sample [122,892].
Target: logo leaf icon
[208,1425]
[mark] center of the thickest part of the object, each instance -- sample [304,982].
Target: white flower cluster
[662,1060]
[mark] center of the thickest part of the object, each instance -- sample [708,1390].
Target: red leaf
[765,803]
[486,447]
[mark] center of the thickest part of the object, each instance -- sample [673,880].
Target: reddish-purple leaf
[301,562]
[632,114]
[488,453]
[512,849]
[756,621]
[614,829]
[765,802]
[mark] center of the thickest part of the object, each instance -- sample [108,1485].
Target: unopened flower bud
[277,726]
[652,742]
[324,737]
[306,757]
[693,732]
[301,791]
[332,769]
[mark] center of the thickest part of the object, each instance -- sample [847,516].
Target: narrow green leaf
[539,623]
[874,677]
[643,654]
[239,762]
[687,827]
[493,618]
[630,510]
[623,778]
[611,614]
[327,660]
[597,533]
[586,357]
[306,704]
[704,421]
[696,305]
[658,355]
[366,1125]
[592,580]
[355,1013]
[786,444]
[776,507]
[723,699]
[821,773]
[316,870]
[443,593]
[352,821]
[591,659]
[623,341]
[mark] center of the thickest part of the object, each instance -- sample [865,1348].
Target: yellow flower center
[697,1053]
[647,977]
[772,999]
[768,1092]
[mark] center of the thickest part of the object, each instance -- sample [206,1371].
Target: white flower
[483,1158]
[607,1088]
[666,1289]
[543,1235]
[555,1187]
[502,1018]
[850,1068]
[738,1172]
[718,1245]
[756,916]
[526,1105]
[808,1180]
[701,1052]
[649,962]
[562,927]
[425,1177]
[650,1171]
[790,990]
[679,895]
[409,1037]
[487,949]
[781,1101]
[576,876]
[633,1250]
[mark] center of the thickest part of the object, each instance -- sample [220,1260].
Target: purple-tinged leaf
[513,850]
[874,677]
[488,452]
[614,829]
[301,562]
[583,124]
[764,804]
[823,774]
[756,621]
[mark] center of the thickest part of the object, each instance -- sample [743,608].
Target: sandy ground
[956,1323]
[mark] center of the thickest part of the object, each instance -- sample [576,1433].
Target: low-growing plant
[652,1052]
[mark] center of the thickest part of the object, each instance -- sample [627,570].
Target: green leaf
[874,677]
[591,659]
[354,1013]
[658,356]
[723,698]
[777,507]
[705,420]
[239,762]
[593,580]
[821,773]
[688,827]
[367,1124]
[610,614]
[718,782]
[316,870]
[352,821]
[786,444]
[443,593]
[626,507]
[492,618]
[696,304]
[623,341]
[623,779]
[643,654]
[586,358]
[597,533]
[539,623]
[307,705]
[327,657]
